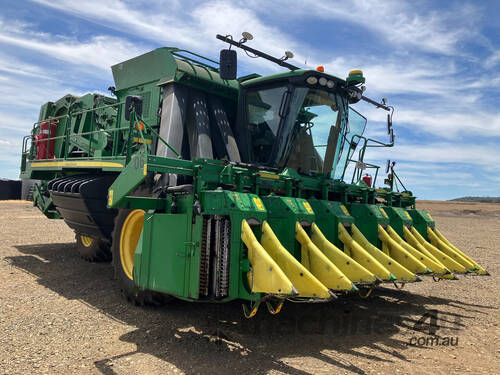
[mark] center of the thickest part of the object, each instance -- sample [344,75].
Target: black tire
[92,249]
[127,285]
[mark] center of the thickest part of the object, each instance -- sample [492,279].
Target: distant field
[477,199]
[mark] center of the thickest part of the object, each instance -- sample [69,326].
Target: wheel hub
[86,240]
[129,237]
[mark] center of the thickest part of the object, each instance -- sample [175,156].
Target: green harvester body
[102,153]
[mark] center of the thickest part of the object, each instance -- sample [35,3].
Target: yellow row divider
[400,272]
[319,265]
[451,264]
[305,282]
[435,267]
[410,238]
[441,245]
[400,255]
[352,269]
[363,257]
[265,275]
[481,270]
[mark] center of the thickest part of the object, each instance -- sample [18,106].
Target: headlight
[312,80]
[322,81]
[330,84]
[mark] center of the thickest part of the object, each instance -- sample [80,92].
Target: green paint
[328,216]
[421,220]
[283,213]
[368,217]
[398,219]
[171,252]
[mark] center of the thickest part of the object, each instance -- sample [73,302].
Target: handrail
[155,133]
[177,52]
[67,120]
[111,130]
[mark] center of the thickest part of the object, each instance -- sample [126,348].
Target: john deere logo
[258,204]
[308,207]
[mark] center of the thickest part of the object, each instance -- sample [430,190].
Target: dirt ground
[62,315]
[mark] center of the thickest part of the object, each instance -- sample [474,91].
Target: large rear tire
[126,233]
[92,249]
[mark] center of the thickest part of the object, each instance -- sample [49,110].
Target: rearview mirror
[387,166]
[392,136]
[389,124]
[228,64]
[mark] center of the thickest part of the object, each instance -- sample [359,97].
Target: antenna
[247,36]
[281,62]
[256,52]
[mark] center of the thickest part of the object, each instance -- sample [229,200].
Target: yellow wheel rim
[129,237]
[86,241]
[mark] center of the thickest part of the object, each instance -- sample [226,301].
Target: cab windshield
[277,115]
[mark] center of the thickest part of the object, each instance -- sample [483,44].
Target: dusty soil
[62,315]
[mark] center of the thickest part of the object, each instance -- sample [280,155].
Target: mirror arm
[378,105]
[256,52]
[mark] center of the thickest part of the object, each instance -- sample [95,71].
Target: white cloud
[400,23]
[225,18]
[492,60]
[151,21]
[97,52]
[11,66]
[451,125]
[485,155]
[448,118]
[15,95]
[195,29]
[418,66]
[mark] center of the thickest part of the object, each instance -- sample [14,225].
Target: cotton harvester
[206,187]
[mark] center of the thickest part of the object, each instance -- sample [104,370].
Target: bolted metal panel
[399,218]
[173,115]
[421,220]
[224,129]
[198,127]
[146,104]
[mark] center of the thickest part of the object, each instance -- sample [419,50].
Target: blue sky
[438,63]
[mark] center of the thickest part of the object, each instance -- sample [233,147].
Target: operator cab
[276,115]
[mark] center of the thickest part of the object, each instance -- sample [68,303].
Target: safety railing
[181,53]
[394,182]
[360,164]
[32,142]
[119,148]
